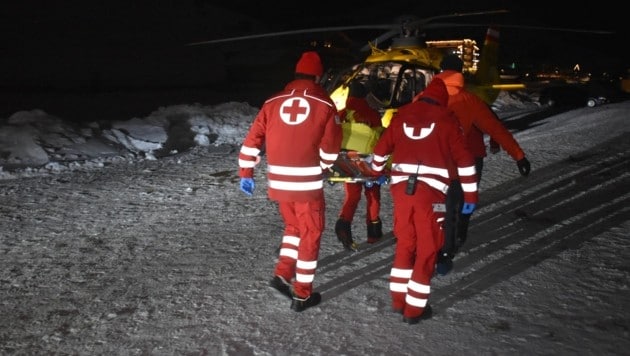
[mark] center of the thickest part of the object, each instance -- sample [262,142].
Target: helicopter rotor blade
[294,32]
[463,14]
[391,29]
[414,22]
[560,29]
[395,28]
[524,27]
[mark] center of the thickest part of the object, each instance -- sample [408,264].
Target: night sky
[536,44]
[142,44]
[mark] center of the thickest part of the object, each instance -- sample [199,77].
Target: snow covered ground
[132,237]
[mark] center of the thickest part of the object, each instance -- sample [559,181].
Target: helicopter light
[465,48]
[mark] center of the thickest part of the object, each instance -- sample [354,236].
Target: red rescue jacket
[300,131]
[358,110]
[476,118]
[425,138]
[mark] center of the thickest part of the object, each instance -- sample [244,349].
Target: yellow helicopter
[396,74]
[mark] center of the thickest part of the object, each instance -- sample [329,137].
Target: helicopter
[394,74]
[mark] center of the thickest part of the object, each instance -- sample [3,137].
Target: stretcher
[352,167]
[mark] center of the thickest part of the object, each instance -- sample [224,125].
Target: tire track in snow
[521,223]
[565,205]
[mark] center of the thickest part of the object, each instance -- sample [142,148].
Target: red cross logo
[294,111]
[417,133]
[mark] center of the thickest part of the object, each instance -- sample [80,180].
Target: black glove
[523,166]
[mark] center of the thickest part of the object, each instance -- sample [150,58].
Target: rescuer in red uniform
[476,119]
[424,140]
[299,130]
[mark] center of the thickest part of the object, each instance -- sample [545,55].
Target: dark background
[70,56]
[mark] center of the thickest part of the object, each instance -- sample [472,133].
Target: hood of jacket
[435,91]
[454,81]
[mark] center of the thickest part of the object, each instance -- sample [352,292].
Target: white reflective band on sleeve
[420,288]
[291,240]
[289,252]
[377,168]
[398,287]
[250,151]
[295,171]
[304,278]
[401,273]
[466,171]
[416,302]
[469,187]
[246,164]
[325,165]
[306,264]
[328,156]
[295,186]
[380,159]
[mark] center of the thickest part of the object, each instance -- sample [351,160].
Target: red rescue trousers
[303,226]
[352,198]
[418,230]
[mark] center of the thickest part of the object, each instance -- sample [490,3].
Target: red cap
[310,64]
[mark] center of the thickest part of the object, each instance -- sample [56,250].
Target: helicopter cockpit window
[409,82]
[392,84]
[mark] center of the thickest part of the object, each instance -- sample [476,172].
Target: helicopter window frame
[392,84]
[411,80]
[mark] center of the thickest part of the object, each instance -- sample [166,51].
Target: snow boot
[300,304]
[344,234]
[374,231]
[281,285]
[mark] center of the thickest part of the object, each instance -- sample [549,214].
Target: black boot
[374,231]
[444,264]
[344,234]
[426,314]
[281,285]
[300,304]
